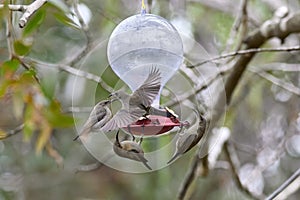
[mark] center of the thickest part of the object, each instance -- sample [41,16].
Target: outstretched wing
[123,118]
[149,89]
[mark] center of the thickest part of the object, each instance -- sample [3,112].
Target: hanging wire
[143,10]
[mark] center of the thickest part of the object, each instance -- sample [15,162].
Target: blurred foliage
[39,97]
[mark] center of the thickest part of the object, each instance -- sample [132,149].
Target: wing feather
[150,88]
[123,118]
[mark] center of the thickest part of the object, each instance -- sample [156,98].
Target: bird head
[128,149]
[118,95]
[105,102]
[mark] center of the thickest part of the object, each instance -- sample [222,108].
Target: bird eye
[134,150]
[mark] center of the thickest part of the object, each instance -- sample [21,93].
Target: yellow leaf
[18,103]
[3,134]
[43,137]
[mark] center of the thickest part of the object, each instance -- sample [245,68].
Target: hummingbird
[131,150]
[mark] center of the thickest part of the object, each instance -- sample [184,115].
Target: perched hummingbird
[131,150]
[189,138]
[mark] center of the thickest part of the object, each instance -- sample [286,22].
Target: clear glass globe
[141,42]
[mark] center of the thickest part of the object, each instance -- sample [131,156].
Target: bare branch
[10,133]
[239,23]
[285,67]
[79,109]
[280,29]
[54,154]
[71,70]
[235,165]
[85,29]
[248,51]
[9,38]
[280,83]
[20,8]
[30,10]
[89,167]
[191,176]
[284,185]
[198,89]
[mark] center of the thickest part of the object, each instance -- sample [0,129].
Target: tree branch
[276,81]
[280,29]
[199,88]
[284,185]
[20,8]
[247,51]
[86,31]
[4,135]
[30,10]
[71,70]
[235,165]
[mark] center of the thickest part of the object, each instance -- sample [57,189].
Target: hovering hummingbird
[134,105]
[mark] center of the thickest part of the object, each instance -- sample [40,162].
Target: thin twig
[189,179]
[54,154]
[240,21]
[28,68]
[15,131]
[285,67]
[9,38]
[20,8]
[198,89]
[30,10]
[276,81]
[71,70]
[234,162]
[284,185]
[247,51]
[281,30]
[88,167]
[78,109]
[86,31]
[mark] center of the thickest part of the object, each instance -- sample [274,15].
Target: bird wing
[149,89]
[186,143]
[96,120]
[97,117]
[123,118]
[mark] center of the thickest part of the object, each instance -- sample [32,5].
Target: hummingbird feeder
[137,44]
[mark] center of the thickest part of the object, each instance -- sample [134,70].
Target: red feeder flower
[153,125]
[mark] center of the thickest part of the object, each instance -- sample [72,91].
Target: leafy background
[37,73]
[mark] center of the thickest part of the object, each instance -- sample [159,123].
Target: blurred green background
[41,161]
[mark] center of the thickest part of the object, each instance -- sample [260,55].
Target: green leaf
[3,88]
[56,118]
[59,5]
[21,48]
[35,21]
[62,18]
[29,125]
[9,66]
[27,77]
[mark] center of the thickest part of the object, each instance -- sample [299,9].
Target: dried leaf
[3,134]
[43,138]
[55,155]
